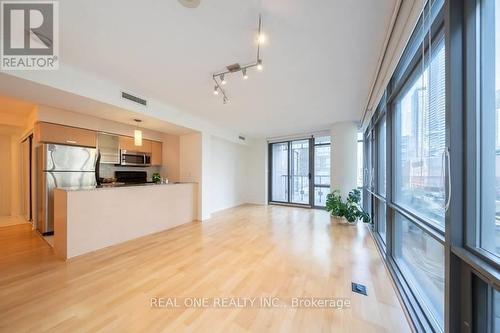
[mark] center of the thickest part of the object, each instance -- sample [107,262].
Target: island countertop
[89,219]
[115,186]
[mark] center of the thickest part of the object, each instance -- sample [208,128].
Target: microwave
[134,158]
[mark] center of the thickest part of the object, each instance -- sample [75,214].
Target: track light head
[261,38]
[225,100]
[259,64]
[244,71]
[222,79]
[216,90]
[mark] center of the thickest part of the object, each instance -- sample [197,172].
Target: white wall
[227,174]
[256,172]
[237,173]
[344,156]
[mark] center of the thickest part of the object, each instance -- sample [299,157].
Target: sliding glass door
[292,165]
[321,170]
[279,171]
[299,172]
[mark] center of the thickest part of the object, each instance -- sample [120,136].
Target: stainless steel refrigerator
[61,166]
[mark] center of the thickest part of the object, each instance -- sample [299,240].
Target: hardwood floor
[248,251]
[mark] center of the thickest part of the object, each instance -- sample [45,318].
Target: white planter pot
[341,220]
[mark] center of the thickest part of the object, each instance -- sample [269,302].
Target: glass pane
[381,220]
[420,141]
[421,260]
[320,196]
[368,167]
[279,172]
[381,183]
[359,180]
[496,228]
[322,165]
[299,171]
[322,139]
[490,129]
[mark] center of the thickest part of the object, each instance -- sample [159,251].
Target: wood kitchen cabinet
[54,133]
[127,143]
[156,153]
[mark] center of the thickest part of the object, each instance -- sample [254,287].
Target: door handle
[446,170]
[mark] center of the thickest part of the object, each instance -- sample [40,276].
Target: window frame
[421,316]
[475,183]
[462,262]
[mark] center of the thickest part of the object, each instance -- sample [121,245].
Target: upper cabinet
[109,145]
[156,153]
[109,148]
[127,143]
[53,133]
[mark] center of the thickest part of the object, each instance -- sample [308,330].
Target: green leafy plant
[156,177]
[350,209]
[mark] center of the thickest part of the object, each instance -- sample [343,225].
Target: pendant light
[137,134]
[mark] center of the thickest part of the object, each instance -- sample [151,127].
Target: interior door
[26,178]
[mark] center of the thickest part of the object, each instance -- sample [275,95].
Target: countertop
[115,186]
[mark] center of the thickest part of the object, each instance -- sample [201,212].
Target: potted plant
[156,178]
[348,210]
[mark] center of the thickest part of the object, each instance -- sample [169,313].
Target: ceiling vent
[190,3]
[135,99]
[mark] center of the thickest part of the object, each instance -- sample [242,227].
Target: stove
[131,177]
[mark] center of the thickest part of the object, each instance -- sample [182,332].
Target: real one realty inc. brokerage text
[250,302]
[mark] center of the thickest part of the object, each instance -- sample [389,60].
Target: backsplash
[108,170]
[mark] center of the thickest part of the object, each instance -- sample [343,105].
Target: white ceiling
[319,62]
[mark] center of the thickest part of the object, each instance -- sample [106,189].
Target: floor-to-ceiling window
[480,255]
[381,210]
[436,195]
[419,179]
[322,148]
[300,171]
[359,179]
[408,176]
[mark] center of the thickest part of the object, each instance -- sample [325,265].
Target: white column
[343,166]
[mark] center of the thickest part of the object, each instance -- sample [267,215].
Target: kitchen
[99,164]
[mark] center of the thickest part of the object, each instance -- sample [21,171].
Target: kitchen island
[91,218]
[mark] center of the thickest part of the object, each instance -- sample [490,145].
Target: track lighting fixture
[219,77]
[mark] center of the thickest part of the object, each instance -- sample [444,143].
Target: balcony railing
[300,188]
